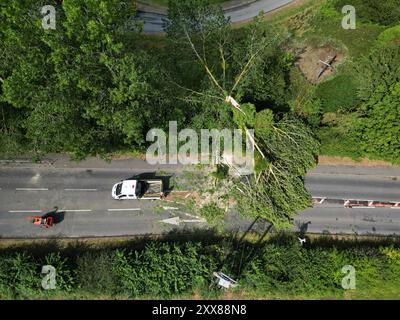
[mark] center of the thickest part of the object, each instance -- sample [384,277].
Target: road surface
[84,195]
[154,22]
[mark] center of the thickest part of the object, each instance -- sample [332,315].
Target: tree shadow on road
[303,228]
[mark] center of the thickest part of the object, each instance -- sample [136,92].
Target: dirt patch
[344,161]
[183,197]
[139,156]
[310,63]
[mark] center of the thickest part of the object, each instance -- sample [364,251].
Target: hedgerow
[277,268]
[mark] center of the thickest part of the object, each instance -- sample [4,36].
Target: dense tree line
[85,87]
[279,267]
[93,86]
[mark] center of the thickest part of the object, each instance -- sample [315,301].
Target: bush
[64,274]
[390,35]
[94,272]
[386,12]
[338,93]
[20,276]
[163,270]
[335,142]
[280,267]
[212,213]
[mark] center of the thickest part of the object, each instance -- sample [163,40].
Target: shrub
[335,142]
[338,93]
[64,275]
[212,213]
[20,275]
[162,269]
[382,12]
[390,35]
[94,272]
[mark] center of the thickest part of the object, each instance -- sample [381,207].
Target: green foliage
[19,276]
[278,267]
[375,129]
[64,275]
[303,100]
[261,64]
[162,270]
[378,127]
[82,88]
[266,81]
[245,117]
[277,193]
[93,272]
[221,172]
[338,93]
[378,71]
[338,142]
[326,28]
[372,129]
[264,123]
[383,12]
[212,213]
[246,71]
[297,270]
[390,35]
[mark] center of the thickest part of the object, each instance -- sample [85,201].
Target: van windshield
[118,190]
[139,188]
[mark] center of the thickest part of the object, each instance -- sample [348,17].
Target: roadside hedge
[277,268]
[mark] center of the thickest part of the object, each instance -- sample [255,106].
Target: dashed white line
[24,211]
[133,209]
[31,189]
[78,210]
[80,189]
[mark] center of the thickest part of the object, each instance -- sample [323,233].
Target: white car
[138,189]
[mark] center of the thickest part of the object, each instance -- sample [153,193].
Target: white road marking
[192,216]
[80,189]
[132,209]
[79,210]
[24,211]
[177,221]
[35,178]
[31,189]
[170,208]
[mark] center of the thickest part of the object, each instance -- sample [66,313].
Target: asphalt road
[154,22]
[83,194]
